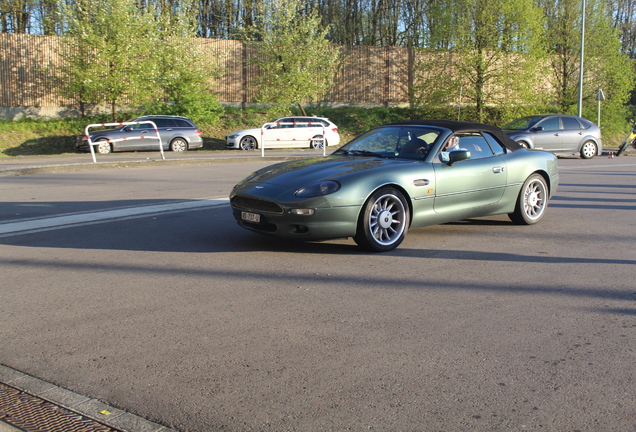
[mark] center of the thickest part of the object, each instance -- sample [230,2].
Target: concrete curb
[88,407]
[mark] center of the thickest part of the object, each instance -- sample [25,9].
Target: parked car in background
[287,132]
[397,177]
[557,133]
[177,134]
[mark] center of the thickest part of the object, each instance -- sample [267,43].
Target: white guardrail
[91,144]
[316,123]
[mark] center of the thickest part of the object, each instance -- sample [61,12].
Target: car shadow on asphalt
[213,230]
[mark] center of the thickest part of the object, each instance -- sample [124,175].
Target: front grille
[257,205]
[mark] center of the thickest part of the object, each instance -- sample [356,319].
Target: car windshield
[411,142]
[522,123]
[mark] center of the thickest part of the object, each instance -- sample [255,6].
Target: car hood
[510,132]
[280,181]
[256,131]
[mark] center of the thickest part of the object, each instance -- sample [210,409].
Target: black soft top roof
[461,126]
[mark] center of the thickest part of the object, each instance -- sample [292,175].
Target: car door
[167,130]
[279,135]
[311,128]
[547,134]
[571,134]
[134,137]
[468,184]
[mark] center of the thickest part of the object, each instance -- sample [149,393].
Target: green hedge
[45,137]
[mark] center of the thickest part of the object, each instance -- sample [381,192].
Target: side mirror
[537,129]
[458,155]
[128,129]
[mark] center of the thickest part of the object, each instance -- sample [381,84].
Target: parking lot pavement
[29,403]
[85,408]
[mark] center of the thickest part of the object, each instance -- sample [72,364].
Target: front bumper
[325,223]
[231,143]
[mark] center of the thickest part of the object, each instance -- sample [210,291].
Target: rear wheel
[588,150]
[317,142]
[247,143]
[532,201]
[103,146]
[384,221]
[179,145]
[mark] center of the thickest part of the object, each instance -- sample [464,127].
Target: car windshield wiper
[341,150]
[364,153]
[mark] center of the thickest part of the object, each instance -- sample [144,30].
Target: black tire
[524,145]
[317,142]
[248,143]
[179,145]
[103,146]
[384,221]
[588,150]
[532,201]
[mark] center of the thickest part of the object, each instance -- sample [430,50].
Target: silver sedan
[557,133]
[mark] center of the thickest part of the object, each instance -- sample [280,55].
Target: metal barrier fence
[110,141]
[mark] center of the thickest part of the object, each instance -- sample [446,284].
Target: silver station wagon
[176,133]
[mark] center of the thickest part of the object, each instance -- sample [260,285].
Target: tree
[15,16]
[296,60]
[183,71]
[624,20]
[484,50]
[605,66]
[110,53]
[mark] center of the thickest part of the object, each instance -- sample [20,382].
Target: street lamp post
[580,105]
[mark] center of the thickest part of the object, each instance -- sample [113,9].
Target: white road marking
[580,167]
[90,218]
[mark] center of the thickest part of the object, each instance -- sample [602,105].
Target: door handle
[497,170]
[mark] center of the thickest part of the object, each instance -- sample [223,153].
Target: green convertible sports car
[395,177]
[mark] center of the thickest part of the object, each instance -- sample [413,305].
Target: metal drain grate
[33,414]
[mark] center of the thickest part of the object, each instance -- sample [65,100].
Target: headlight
[318,189]
[233,136]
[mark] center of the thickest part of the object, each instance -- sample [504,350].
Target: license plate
[251,217]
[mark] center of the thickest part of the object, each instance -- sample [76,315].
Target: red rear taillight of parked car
[198,132]
[335,130]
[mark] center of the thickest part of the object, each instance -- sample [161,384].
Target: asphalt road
[136,287]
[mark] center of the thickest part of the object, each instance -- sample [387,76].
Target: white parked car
[286,132]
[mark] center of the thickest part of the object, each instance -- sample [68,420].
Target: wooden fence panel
[368,75]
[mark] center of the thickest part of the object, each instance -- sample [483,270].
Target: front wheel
[384,221]
[103,146]
[178,145]
[532,201]
[588,150]
[247,143]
